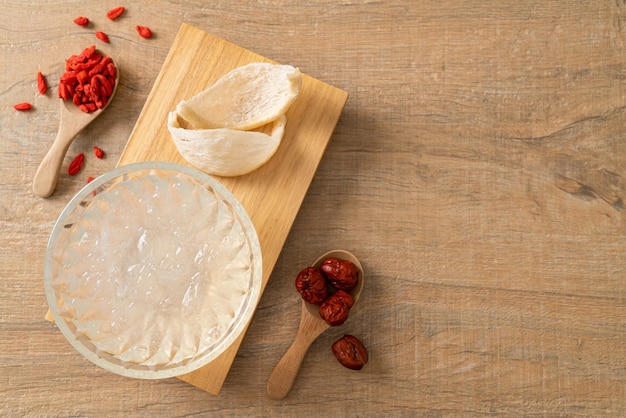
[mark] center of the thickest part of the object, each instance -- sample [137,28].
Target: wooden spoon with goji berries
[85,90]
[311,326]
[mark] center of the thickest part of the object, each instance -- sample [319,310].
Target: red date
[341,274]
[311,285]
[350,352]
[336,308]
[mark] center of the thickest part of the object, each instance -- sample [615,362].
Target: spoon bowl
[311,326]
[72,120]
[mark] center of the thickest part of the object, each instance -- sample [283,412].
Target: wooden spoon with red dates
[311,326]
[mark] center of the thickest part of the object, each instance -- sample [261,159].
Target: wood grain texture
[478,171]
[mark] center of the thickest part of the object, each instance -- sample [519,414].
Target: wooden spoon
[72,121]
[311,326]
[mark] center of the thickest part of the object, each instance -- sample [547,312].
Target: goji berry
[76,165]
[88,80]
[23,106]
[88,107]
[115,13]
[101,84]
[81,21]
[68,77]
[97,69]
[144,31]
[90,179]
[111,70]
[99,153]
[42,86]
[62,91]
[89,51]
[102,36]
[82,76]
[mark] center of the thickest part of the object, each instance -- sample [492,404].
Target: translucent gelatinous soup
[155,270]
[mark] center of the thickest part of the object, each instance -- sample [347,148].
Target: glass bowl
[153,270]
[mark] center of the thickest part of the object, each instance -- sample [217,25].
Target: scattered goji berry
[99,153]
[115,13]
[81,21]
[144,31]
[76,165]
[42,86]
[102,36]
[90,179]
[23,106]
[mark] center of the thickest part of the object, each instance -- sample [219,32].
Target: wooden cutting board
[272,194]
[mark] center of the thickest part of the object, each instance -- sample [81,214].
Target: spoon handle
[47,174]
[282,378]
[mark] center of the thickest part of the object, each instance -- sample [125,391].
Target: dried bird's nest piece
[236,125]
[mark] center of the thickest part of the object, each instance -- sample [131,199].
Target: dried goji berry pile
[88,81]
[42,86]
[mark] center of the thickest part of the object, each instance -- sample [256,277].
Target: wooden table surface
[478,171]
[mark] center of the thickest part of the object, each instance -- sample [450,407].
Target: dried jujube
[341,274]
[350,352]
[336,308]
[315,284]
[311,285]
